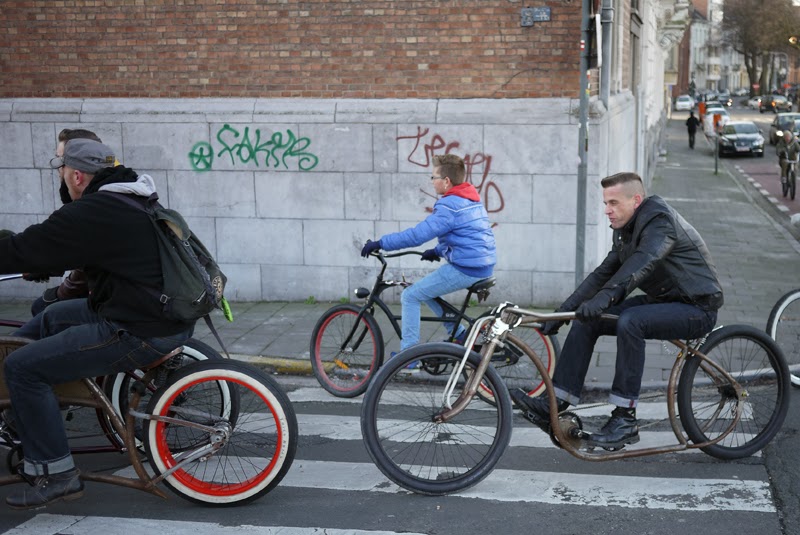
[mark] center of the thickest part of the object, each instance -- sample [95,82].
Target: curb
[279,365]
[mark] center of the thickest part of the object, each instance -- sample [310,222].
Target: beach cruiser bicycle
[347,345]
[727,395]
[214,431]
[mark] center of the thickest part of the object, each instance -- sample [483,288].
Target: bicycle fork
[453,408]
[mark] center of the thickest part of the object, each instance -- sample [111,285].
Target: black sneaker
[538,407]
[621,429]
[46,490]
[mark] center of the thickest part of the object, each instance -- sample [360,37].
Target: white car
[754,103]
[684,103]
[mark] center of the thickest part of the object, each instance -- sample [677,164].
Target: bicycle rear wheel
[232,459]
[783,326]
[708,404]
[344,364]
[414,451]
[117,387]
[785,186]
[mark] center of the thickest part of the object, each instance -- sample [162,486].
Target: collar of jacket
[110,175]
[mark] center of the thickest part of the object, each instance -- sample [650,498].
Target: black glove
[36,277]
[430,255]
[369,247]
[549,328]
[594,307]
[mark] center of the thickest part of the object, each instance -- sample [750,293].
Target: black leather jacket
[660,253]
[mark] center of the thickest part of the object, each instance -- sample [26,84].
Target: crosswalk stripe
[525,435]
[47,524]
[558,488]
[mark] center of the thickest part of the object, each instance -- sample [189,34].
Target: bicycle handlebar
[393,255]
[13,276]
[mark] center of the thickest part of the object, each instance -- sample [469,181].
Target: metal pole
[716,153]
[583,144]
[606,19]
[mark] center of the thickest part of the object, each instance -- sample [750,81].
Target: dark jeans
[75,343]
[691,139]
[638,321]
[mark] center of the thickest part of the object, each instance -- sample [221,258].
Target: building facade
[290,132]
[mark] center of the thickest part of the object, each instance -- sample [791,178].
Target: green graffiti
[201,156]
[280,150]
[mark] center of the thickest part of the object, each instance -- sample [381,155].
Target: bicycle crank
[571,427]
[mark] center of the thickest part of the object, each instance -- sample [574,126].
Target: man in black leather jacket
[655,250]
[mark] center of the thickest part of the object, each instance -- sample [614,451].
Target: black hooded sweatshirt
[114,243]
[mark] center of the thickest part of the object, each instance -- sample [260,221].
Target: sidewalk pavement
[756,258]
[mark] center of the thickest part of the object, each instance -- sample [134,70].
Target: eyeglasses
[57,162]
[438,177]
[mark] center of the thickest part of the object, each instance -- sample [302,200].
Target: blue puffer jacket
[462,225]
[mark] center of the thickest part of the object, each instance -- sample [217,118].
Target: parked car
[741,137]
[774,103]
[684,103]
[781,122]
[754,103]
[725,99]
[742,91]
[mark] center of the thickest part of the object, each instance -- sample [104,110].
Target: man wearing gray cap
[115,329]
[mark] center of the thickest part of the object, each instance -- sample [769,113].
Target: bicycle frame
[450,312]
[506,316]
[87,393]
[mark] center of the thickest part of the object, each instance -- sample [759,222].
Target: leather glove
[369,247]
[594,307]
[75,285]
[550,328]
[430,255]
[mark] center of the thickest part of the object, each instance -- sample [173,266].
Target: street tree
[756,29]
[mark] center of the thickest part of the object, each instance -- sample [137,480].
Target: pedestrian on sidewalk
[654,250]
[691,126]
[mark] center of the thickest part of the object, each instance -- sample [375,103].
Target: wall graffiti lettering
[427,144]
[279,150]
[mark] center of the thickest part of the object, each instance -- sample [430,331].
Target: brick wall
[286,48]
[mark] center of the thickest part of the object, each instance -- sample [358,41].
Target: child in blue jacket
[466,241]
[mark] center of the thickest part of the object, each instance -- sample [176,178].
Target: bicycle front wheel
[709,404]
[783,326]
[344,363]
[414,451]
[221,455]
[792,184]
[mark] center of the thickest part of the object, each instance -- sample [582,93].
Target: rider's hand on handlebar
[430,255]
[594,307]
[370,247]
[36,277]
[549,328]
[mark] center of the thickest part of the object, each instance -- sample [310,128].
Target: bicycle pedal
[536,420]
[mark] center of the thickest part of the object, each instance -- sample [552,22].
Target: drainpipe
[583,143]
[606,19]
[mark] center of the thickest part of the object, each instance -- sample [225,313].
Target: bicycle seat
[481,288]
[178,350]
[484,284]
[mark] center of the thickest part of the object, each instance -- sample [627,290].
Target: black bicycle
[347,345]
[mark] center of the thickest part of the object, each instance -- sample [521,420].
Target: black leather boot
[621,429]
[48,489]
[539,407]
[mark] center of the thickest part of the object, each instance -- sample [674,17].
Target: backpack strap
[213,330]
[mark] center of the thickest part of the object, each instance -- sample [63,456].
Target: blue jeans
[75,343]
[444,280]
[639,320]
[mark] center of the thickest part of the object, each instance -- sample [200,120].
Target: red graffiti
[478,163]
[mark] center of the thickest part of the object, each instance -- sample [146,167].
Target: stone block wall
[284,192]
